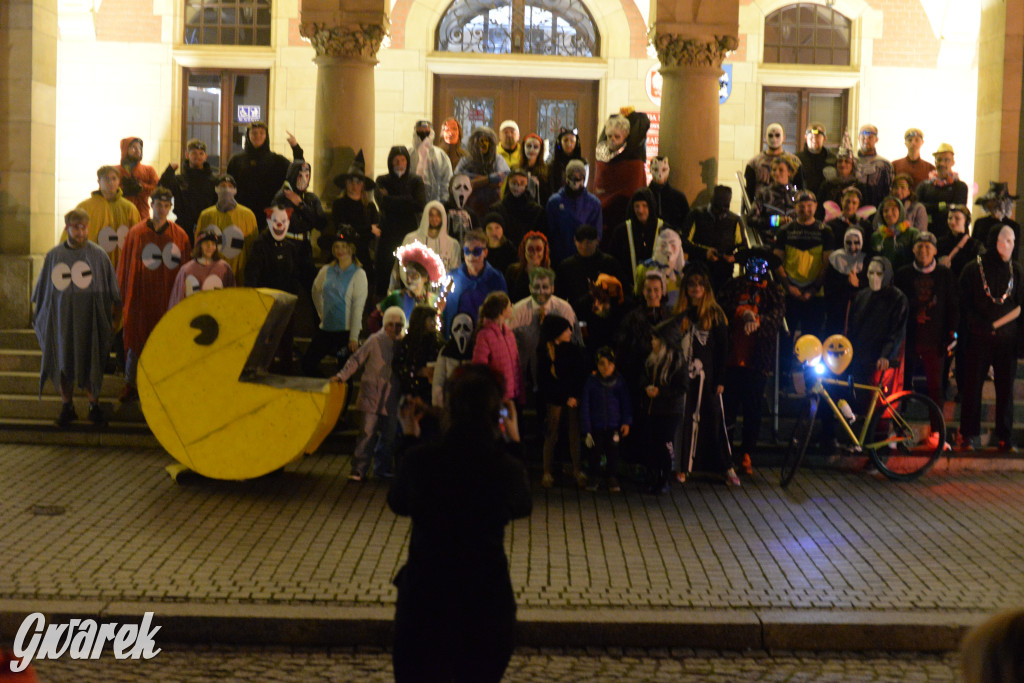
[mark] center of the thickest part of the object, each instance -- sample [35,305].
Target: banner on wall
[653,134]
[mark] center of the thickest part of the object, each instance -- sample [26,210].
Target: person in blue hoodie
[605,418]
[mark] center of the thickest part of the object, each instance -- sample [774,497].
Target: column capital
[676,50]
[359,40]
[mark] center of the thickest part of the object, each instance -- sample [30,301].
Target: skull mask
[462,187]
[462,330]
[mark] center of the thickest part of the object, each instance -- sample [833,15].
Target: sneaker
[67,415]
[613,485]
[746,465]
[681,477]
[96,415]
[547,481]
[1006,447]
[731,479]
[356,476]
[581,480]
[129,393]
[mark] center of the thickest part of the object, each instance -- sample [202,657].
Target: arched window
[806,33]
[534,27]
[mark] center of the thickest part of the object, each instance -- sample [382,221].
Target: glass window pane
[210,37]
[262,37]
[822,56]
[553,115]
[562,27]
[805,55]
[841,57]
[787,55]
[222,19]
[806,26]
[473,112]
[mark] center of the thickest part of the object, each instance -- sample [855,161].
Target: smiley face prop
[807,349]
[208,398]
[837,354]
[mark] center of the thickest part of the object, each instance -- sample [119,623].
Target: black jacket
[259,173]
[307,215]
[193,190]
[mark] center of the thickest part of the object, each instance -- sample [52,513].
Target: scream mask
[462,187]
[462,331]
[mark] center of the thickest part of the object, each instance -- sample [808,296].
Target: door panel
[536,104]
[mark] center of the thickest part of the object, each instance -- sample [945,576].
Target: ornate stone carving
[677,50]
[349,40]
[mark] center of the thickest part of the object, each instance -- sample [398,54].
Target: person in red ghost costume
[153,251]
[137,180]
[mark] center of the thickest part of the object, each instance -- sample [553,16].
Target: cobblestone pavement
[110,524]
[547,666]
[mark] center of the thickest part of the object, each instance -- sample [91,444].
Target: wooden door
[538,105]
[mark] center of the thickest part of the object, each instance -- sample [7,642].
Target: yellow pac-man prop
[807,349]
[837,353]
[208,398]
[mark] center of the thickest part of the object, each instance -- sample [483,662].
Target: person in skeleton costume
[519,207]
[307,212]
[110,214]
[229,220]
[485,167]
[457,351]
[992,297]
[754,306]
[569,208]
[339,295]
[430,162]
[461,219]
[672,206]
[206,271]
[272,260]
[137,179]
[422,273]
[621,154]
[705,349]
[153,252]
[75,300]
[433,233]
[669,258]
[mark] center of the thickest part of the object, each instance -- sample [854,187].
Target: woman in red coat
[495,345]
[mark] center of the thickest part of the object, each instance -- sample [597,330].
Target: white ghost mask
[462,330]
[462,187]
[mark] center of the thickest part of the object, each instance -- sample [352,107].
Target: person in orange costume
[150,258]
[137,180]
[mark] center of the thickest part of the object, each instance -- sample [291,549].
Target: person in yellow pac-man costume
[206,394]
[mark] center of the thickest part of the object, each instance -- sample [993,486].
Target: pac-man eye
[60,276]
[208,329]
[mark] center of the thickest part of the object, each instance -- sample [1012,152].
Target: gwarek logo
[81,639]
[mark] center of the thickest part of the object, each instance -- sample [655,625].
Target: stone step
[23,340]
[30,407]
[27,384]
[18,360]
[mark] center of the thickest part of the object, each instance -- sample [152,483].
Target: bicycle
[911,423]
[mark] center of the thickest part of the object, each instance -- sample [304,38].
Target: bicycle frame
[879,398]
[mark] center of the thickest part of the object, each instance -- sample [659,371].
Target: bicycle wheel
[916,432]
[798,443]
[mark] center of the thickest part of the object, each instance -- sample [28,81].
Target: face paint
[1004,243]
[875,276]
[413,280]
[541,290]
[462,331]
[659,171]
[616,139]
[532,148]
[852,242]
[517,185]
[462,187]
[535,252]
[278,224]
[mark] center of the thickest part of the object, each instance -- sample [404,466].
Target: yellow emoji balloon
[208,398]
[838,353]
[807,349]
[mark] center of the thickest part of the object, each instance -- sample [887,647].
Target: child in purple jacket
[605,416]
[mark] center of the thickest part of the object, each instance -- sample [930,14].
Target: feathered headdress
[417,252]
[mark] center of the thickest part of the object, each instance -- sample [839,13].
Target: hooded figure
[430,163]
[567,148]
[260,173]
[672,203]
[521,212]
[713,233]
[620,169]
[893,236]
[307,212]
[436,235]
[74,300]
[401,196]
[486,168]
[845,276]
[110,216]
[632,242]
[353,208]
[137,179]
[193,187]
[457,351]
[877,327]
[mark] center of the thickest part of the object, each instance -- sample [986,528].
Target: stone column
[692,38]
[690,68]
[346,43]
[28,116]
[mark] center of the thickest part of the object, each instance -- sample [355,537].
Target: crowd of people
[637,327]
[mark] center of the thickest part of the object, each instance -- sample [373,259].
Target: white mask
[875,276]
[462,187]
[462,330]
[278,223]
[659,171]
[1004,243]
